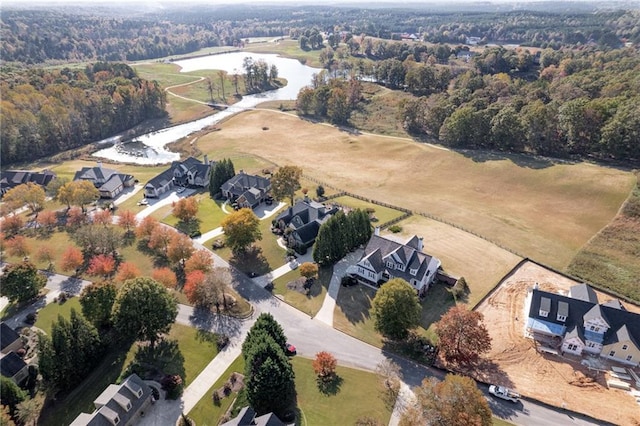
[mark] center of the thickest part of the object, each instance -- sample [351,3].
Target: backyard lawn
[309,303]
[210,213]
[382,214]
[50,313]
[352,316]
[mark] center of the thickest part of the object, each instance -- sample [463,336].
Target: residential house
[304,220]
[11,364]
[12,178]
[384,259]
[109,182]
[190,172]
[247,417]
[121,404]
[246,190]
[577,324]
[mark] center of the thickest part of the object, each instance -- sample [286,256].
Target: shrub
[227,388]
[370,210]
[31,318]
[216,398]
[173,384]
[222,341]
[62,297]
[395,228]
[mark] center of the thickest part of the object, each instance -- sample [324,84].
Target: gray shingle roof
[583,292]
[11,364]
[7,335]
[410,256]
[241,182]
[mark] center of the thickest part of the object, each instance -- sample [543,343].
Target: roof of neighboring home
[623,325]
[114,182]
[379,250]
[583,292]
[7,335]
[241,182]
[12,178]
[94,174]
[11,364]
[161,179]
[304,212]
[308,233]
[187,164]
[247,417]
[614,303]
[114,401]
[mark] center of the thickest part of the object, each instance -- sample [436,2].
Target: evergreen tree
[222,171]
[11,394]
[266,323]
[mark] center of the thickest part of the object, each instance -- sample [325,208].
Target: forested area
[48,111]
[46,35]
[561,103]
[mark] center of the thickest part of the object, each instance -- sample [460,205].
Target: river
[150,148]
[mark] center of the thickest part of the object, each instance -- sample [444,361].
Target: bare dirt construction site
[556,380]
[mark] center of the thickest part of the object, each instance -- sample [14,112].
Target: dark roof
[241,182]
[623,325]
[247,417]
[114,182]
[189,163]
[11,364]
[13,178]
[162,179]
[308,232]
[96,174]
[583,292]
[7,335]
[380,249]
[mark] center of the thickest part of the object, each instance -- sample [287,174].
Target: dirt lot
[560,381]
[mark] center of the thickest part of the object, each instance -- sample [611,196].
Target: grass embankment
[195,350]
[611,258]
[357,394]
[382,214]
[288,48]
[539,208]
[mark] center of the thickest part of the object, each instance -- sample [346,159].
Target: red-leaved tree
[200,260]
[47,219]
[75,217]
[127,220]
[160,239]
[165,276]
[192,286]
[102,217]
[102,265]
[325,365]
[18,246]
[185,209]
[127,271]
[462,335]
[72,259]
[12,224]
[146,227]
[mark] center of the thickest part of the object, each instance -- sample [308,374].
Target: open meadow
[537,208]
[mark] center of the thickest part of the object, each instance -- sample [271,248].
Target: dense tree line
[221,172]
[334,99]
[47,111]
[341,234]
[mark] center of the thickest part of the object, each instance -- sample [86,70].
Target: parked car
[290,349]
[144,202]
[180,189]
[504,393]
[348,281]
[294,264]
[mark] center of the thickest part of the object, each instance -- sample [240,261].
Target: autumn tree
[309,270]
[185,209]
[127,271]
[200,260]
[160,239]
[47,220]
[147,227]
[12,224]
[126,219]
[391,378]
[72,259]
[285,182]
[102,217]
[28,194]
[165,276]
[192,287]
[79,193]
[144,309]
[180,249]
[325,365]
[76,217]
[208,290]
[46,255]
[462,335]
[18,246]
[241,229]
[97,302]
[396,309]
[96,239]
[455,401]
[101,265]
[21,282]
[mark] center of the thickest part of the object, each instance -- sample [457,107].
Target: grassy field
[544,210]
[462,254]
[379,113]
[383,214]
[287,48]
[610,259]
[49,313]
[309,303]
[352,315]
[210,213]
[357,395]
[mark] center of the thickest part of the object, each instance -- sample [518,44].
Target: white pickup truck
[504,393]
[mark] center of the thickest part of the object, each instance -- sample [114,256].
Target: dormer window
[545,307]
[625,347]
[563,311]
[400,267]
[390,265]
[413,271]
[561,318]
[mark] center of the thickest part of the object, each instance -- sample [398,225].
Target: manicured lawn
[309,303]
[205,412]
[198,348]
[210,213]
[383,214]
[265,256]
[357,394]
[352,315]
[57,241]
[50,313]
[288,48]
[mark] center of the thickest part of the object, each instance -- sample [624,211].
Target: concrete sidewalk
[263,280]
[209,235]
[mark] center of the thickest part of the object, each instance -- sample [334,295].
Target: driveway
[166,200]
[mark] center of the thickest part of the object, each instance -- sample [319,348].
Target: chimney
[206,160]
[376,231]
[420,243]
